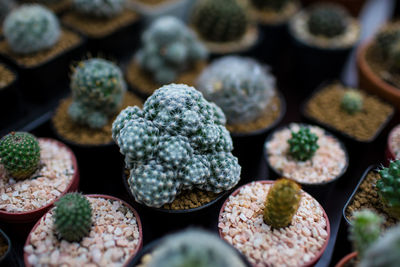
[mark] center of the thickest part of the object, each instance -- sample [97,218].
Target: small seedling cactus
[73,217]
[31,28]
[328,21]
[352,101]
[20,154]
[98,89]
[389,188]
[282,202]
[178,141]
[194,248]
[169,47]
[270,4]
[220,21]
[365,229]
[99,8]
[241,87]
[303,144]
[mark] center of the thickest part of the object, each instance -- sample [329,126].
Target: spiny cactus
[240,86]
[385,251]
[194,248]
[282,202]
[220,21]
[303,144]
[328,21]
[352,101]
[270,4]
[99,8]
[20,154]
[176,142]
[168,48]
[31,28]
[394,55]
[389,188]
[73,217]
[5,8]
[98,89]
[365,229]
[385,39]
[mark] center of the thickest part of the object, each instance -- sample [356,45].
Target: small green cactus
[270,4]
[100,8]
[220,21]
[385,39]
[365,229]
[394,55]
[73,217]
[389,188]
[282,202]
[352,101]
[328,21]
[20,154]
[303,144]
[31,28]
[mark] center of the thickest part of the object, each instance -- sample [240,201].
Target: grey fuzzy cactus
[168,48]
[194,248]
[98,89]
[5,7]
[99,8]
[240,86]
[327,20]
[178,141]
[31,28]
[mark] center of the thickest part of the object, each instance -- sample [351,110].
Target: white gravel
[45,185]
[242,225]
[113,239]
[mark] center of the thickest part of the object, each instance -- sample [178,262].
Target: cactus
[389,188]
[20,154]
[99,8]
[282,202]
[365,229]
[385,39]
[270,4]
[31,28]
[328,21]
[240,86]
[5,7]
[394,55]
[352,101]
[98,89]
[194,248]
[168,48]
[303,144]
[176,142]
[220,21]
[73,217]
[385,251]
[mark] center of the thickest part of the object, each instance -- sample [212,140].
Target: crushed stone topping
[327,163]
[112,240]
[394,141]
[242,225]
[44,186]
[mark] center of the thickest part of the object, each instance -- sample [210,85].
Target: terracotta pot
[138,248]
[353,6]
[389,153]
[346,259]
[313,261]
[371,82]
[27,217]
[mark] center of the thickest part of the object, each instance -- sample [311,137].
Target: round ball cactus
[385,39]
[176,142]
[98,89]
[270,4]
[31,28]
[303,144]
[240,86]
[20,154]
[327,20]
[220,21]
[168,48]
[389,188]
[73,217]
[99,8]
[352,101]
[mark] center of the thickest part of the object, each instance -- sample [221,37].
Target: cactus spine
[389,188]
[328,21]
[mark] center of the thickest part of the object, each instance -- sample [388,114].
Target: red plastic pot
[389,153]
[138,248]
[346,259]
[31,216]
[328,228]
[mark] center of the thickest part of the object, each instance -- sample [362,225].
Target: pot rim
[345,259]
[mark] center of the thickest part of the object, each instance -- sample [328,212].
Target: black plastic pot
[6,259]
[317,190]
[10,102]
[275,39]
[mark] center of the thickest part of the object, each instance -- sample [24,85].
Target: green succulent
[389,188]
[303,144]
[328,21]
[352,101]
[385,39]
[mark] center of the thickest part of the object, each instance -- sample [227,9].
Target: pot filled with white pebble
[85,230]
[34,173]
[306,154]
[275,223]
